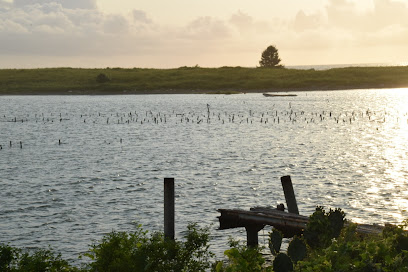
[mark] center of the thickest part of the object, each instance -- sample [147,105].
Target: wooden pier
[289,223]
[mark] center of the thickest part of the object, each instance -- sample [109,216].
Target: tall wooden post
[289,194]
[169,208]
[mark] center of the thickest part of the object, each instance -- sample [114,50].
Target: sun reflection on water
[392,143]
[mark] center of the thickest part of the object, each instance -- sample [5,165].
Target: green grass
[196,80]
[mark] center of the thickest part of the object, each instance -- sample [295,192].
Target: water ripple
[343,149]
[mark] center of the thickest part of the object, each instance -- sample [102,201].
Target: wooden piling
[169,208]
[289,194]
[252,234]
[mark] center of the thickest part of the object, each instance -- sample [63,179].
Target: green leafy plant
[337,220]
[121,251]
[8,257]
[41,260]
[140,251]
[354,252]
[242,258]
[275,241]
[297,249]
[282,263]
[323,227]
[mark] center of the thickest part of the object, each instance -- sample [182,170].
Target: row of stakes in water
[291,116]
[192,117]
[59,143]
[11,145]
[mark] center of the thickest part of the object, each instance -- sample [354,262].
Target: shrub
[8,256]
[102,78]
[121,251]
[242,258]
[323,227]
[17,260]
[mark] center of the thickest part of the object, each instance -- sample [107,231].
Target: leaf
[275,241]
[297,249]
[282,263]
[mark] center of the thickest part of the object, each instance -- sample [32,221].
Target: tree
[270,57]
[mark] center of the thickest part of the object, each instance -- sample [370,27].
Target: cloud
[141,17]
[242,21]
[344,14]
[305,22]
[115,24]
[248,25]
[48,28]
[341,24]
[69,4]
[73,31]
[4,4]
[206,28]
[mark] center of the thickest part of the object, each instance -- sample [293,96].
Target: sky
[210,33]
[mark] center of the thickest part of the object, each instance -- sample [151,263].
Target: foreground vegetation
[325,245]
[195,80]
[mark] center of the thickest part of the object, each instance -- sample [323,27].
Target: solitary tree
[270,57]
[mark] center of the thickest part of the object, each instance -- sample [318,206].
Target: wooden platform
[257,218]
[289,223]
[263,216]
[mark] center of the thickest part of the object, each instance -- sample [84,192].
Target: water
[344,149]
[332,66]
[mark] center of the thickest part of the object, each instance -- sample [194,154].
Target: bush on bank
[337,249]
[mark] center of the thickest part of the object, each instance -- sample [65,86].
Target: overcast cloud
[43,33]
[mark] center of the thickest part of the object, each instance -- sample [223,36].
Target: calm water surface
[346,149]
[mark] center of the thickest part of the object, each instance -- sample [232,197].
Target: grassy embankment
[196,80]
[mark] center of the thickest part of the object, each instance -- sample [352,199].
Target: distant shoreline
[195,80]
[183,92]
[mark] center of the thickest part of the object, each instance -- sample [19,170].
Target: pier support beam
[169,208]
[252,234]
[289,194]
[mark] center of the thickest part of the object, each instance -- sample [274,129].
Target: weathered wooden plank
[288,223]
[361,228]
[276,218]
[289,194]
[369,229]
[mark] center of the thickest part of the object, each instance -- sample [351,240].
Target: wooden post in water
[252,234]
[289,194]
[169,208]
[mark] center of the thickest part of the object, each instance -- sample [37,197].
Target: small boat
[273,95]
